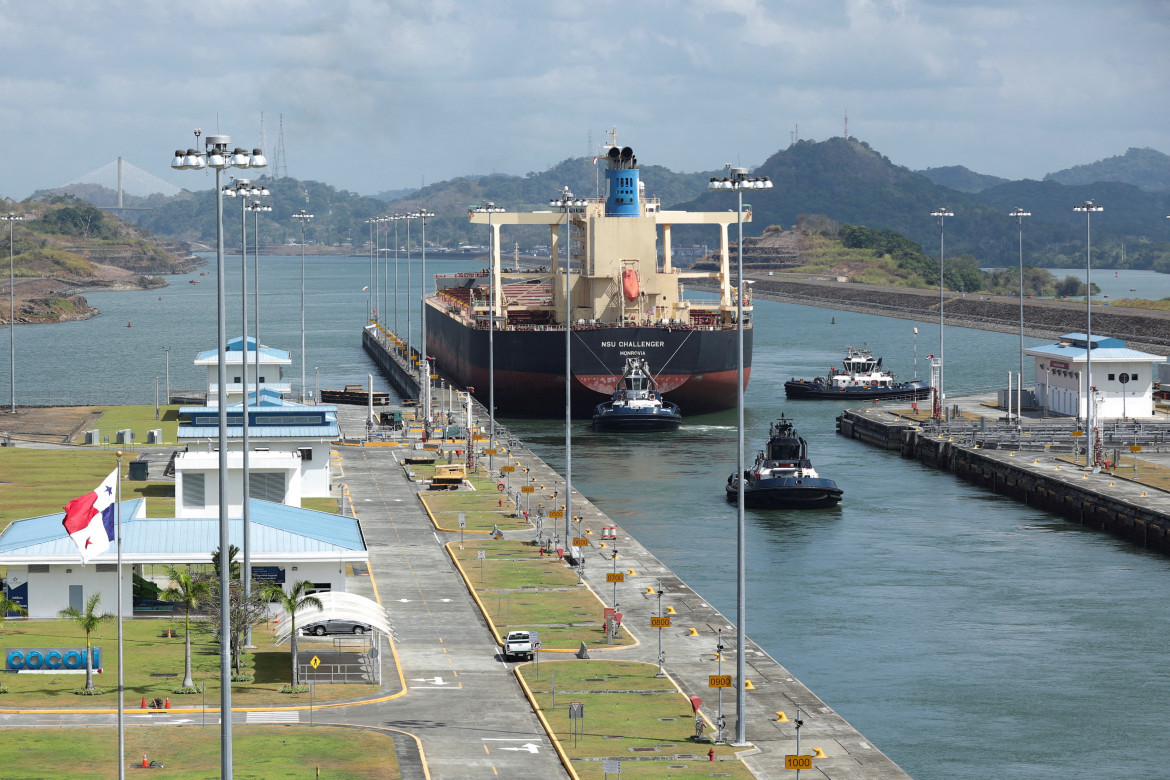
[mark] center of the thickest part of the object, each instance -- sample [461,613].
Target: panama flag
[89,519]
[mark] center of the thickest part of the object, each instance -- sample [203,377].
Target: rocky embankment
[1143,329]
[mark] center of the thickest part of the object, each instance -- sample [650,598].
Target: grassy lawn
[138,419]
[193,752]
[628,714]
[154,667]
[520,589]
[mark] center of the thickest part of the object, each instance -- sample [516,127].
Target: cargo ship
[624,300]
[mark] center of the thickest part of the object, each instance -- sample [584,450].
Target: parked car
[337,626]
[521,644]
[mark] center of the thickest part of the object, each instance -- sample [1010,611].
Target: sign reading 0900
[45,659]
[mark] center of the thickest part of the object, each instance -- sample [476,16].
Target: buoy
[781,717]
[818,753]
[127,324]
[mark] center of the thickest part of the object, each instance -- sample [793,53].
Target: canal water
[966,635]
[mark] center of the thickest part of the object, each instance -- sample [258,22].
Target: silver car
[337,626]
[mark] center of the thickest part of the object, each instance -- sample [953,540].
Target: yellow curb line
[450,547]
[547,727]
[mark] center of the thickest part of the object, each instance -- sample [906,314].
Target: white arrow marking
[531,748]
[432,681]
[405,601]
[445,601]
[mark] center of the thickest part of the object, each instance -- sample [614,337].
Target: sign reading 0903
[49,659]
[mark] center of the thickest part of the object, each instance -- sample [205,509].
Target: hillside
[1147,169]
[67,245]
[961,179]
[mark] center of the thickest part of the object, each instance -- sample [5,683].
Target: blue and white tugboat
[860,378]
[783,477]
[636,404]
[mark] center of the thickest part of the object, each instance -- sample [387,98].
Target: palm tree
[88,619]
[233,564]
[187,592]
[297,598]
[8,605]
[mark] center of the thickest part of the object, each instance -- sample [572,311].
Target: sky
[378,95]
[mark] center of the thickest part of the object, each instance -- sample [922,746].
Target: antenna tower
[279,162]
[846,124]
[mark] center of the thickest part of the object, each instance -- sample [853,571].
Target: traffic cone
[145,765]
[143,702]
[167,706]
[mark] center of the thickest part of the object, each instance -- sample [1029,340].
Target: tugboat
[636,404]
[783,477]
[861,378]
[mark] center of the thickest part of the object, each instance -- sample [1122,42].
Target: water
[967,635]
[1149,285]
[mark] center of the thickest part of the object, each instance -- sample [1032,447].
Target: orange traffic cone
[144,762]
[167,706]
[143,702]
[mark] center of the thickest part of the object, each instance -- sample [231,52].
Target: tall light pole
[256,207]
[217,156]
[167,350]
[397,218]
[1019,214]
[11,218]
[738,180]
[384,311]
[409,304]
[490,208]
[244,189]
[424,215]
[372,221]
[302,216]
[941,214]
[1088,208]
[567,202]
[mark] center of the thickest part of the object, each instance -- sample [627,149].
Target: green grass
[154,666]
[139,419]
[625,707]
[193,752]
[520,589]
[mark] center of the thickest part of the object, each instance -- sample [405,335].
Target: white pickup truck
[521,644]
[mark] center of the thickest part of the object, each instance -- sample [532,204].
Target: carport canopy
[336,604]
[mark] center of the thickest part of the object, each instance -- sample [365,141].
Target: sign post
[481,555]
[462,525]
[576,720]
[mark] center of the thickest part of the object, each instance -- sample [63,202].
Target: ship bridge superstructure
[615,277]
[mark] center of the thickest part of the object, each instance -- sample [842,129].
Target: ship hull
[799,389]
[695,369]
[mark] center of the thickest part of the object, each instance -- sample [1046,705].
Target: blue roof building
[1121,385]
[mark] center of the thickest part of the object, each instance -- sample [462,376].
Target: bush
[179,690]
[294,689]
[243,677]
[94,692]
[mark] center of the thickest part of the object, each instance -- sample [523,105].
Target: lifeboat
[630,284]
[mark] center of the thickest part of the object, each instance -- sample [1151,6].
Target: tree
[188,592]
[233,564]
[8,605]
[243,613]
[295,599]
[88,620]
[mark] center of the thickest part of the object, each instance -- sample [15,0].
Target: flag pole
[121,688]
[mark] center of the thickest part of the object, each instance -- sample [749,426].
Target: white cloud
[380,94]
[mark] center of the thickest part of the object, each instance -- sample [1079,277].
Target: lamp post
[11,218]
[397,218]
[302,216]
[1088,208]
[243,189]
[425,376]
[372,221]
[1019,214]
[167,350]
[256,207]
[384,311]
[738,180]
[490,208]
[409,341]
[217,156]
[566,201]
[941,214]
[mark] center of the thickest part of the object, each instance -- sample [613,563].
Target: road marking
[431,680]
[273,717]
[531,748]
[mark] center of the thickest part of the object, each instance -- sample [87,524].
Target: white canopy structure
[337,604]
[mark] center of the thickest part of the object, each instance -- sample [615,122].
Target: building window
[1112,377]
[1133,377]
[193,488]
[267,486]
[306,453]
